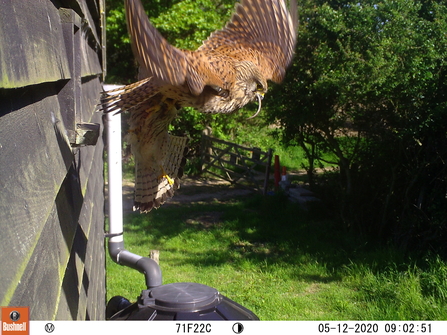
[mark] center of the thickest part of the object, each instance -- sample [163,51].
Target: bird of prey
[230,69]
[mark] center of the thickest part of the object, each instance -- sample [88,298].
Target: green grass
[282,263]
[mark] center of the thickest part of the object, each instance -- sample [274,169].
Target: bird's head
[257,91]
[249,85]
[252,84]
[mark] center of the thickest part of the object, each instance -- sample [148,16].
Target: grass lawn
[281,262]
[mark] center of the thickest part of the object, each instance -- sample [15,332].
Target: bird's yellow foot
[170,180]
[165,175]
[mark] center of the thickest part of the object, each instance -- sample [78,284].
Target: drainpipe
[119,254]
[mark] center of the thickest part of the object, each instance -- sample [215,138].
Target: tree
[368,86]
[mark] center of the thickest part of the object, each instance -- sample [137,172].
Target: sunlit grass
[281,262]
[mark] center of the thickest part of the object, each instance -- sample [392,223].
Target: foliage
[189,22]
[369,86]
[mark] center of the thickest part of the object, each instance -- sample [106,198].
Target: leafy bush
[369,86]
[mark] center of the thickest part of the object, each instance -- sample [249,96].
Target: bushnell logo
[15,321]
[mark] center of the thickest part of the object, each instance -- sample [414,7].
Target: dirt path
[196,190]
[192,190]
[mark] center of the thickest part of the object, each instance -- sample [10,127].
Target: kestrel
[230,69]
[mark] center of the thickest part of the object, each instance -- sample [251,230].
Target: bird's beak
[260,96]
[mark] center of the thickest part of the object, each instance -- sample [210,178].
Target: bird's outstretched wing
[158,58]
[166,64]
[263,32]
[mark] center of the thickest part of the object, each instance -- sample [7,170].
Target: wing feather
[155,55]
[264,31]
[157,58]
[129,97]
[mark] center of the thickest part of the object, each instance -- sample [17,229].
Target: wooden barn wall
[52,255]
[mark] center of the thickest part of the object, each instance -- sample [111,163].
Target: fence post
[256,154]
[267,171]
[205,149]
[277,173]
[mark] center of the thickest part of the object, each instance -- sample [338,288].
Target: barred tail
[155,185]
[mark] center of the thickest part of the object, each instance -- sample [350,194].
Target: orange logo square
[15,321]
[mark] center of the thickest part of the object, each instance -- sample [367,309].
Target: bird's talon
[165,175]
[170,180]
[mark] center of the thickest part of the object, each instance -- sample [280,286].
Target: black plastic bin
[178,301]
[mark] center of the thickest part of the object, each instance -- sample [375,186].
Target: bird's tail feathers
[155,185]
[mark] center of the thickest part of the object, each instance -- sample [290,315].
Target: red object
[277,173]
[284,171]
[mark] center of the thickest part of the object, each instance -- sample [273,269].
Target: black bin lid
[181,297]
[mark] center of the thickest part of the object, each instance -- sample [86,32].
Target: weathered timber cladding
[52,255]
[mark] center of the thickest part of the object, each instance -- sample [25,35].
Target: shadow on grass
[255,229]
[271,245]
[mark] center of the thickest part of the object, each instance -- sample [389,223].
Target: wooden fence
[52,256]
[248,167]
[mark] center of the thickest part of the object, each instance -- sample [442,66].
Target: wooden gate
[248,167]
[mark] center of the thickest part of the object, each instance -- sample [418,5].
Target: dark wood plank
[33,164]
[36,54]
[40,284]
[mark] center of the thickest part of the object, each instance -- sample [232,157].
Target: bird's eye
[259,87]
